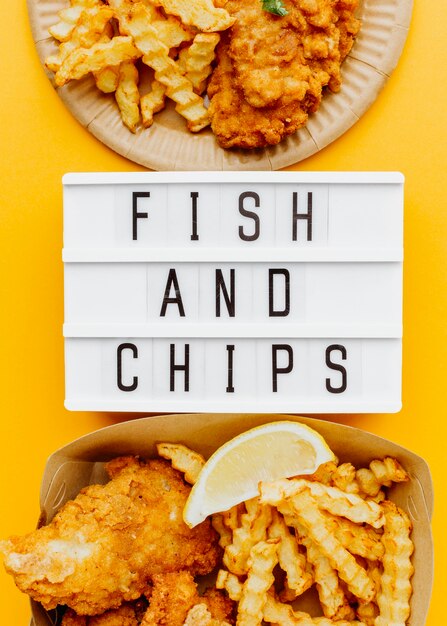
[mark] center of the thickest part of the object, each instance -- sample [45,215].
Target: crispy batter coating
[175,594]
[106,545]
[125,615]
[271,70]
[235,122]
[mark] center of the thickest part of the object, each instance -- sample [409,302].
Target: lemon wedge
[265,453]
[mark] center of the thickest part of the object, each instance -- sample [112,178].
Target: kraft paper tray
[81,463]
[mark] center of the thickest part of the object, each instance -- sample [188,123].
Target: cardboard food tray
[81,463]
[168,145]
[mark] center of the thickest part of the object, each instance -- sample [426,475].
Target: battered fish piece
[104,547]
[175,594]
[271,70]
[128,614]
[235,122]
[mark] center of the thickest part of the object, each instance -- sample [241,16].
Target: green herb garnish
[274,6]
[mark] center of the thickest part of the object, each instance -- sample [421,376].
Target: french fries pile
[112,39]
[334,529]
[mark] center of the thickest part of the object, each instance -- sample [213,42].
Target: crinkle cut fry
[85,60]
[196,60]
[282,614]
[225,534]
[333,600]
[69,17]
[89,28]
[202,14]
[231,583]
[368,612]
[333,500]
[107,80]
[360,540]
[395,592]
[127,95]
[274,611]
[182,458]
[364,481]
[152,102]
[306,509]
[232,517]
[134,20]
[262,560]
[225,523]
[380,474]
[170,30]
[291,560]
[253,529]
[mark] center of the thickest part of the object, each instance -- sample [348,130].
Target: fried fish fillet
[105,546]
[128,614]
[271,70]
[173,596]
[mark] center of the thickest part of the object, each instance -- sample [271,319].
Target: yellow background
[406,130]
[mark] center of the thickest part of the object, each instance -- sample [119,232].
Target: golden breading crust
[271,70]
[175,594]
[104,547]
[235,122]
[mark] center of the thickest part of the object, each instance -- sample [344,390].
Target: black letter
[280,370]
[172,281]
[229,300]
[336,367]
[194,196]
[135,214]
[286,310]
[245,213]
[230,350]
[179,368]
[119,369]
[302,216]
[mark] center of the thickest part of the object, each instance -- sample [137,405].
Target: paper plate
[168,145]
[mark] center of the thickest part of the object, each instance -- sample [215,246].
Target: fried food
[105,546]
[128,614]
[305,508]
[182,458]
[173,595]
[331,499]
[201,13]
[355,550]
[262,560]
[292,561]
[84,60]
[200,615]
[128,96]
[135,21]
[253,529]
[271,71]
[68,18]
[395,589]
[90,42]
[235,122]
[196,60]
[152,103]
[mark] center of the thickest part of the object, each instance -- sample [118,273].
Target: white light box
[250,291]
